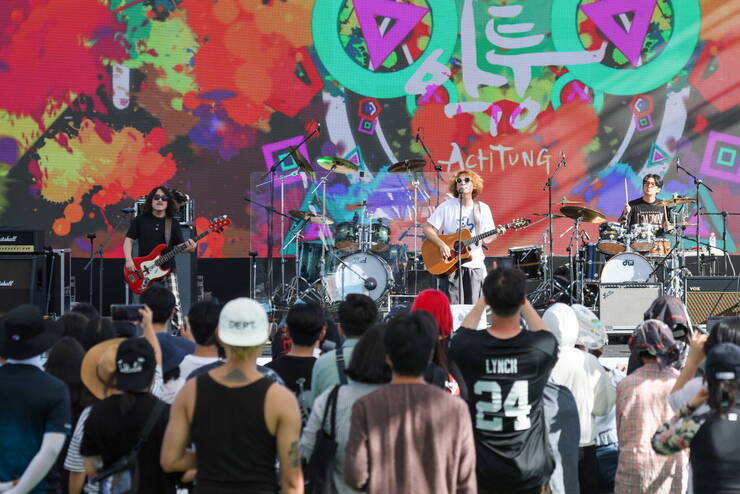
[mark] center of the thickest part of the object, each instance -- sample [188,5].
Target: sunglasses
[463,180]
[160,197]
[653,184]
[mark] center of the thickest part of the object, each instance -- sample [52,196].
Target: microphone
[318,127]
[418,130]
[562,158]
[128,210]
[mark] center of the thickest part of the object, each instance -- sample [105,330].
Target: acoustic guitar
[148,268]
[434,262]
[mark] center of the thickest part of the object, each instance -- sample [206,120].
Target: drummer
[645,211]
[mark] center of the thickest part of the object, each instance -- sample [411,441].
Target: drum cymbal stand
[417,190]
[322,184]
[576,268]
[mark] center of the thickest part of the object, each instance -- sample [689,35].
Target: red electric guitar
[148,268]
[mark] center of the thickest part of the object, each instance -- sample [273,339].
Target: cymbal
[311,217]
[676,201]
[566,202]
[408,166]
[545,214]
[338,165]
[302,163]
[587,215]
[685,224]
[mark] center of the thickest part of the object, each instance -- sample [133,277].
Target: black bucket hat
[24,333]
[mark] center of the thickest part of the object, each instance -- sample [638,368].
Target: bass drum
[627,267]
[362,272]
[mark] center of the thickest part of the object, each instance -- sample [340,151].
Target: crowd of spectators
[354,402]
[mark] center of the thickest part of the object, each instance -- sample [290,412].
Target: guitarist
[148,229]
[465,186]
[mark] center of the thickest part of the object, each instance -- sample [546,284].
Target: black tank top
[715,455]
[236,452]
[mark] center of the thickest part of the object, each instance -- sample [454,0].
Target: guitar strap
[167,230]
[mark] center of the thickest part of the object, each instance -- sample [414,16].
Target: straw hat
[99,366]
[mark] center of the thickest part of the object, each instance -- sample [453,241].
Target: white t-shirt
[192,362]
[446,220]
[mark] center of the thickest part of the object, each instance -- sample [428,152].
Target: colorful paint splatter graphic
[107,99]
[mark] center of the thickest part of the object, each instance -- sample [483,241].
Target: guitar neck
[176,250]
[483,235]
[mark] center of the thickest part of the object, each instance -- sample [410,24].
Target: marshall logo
[7,282]
[8,238]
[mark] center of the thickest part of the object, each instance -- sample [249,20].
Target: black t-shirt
[112,435]
[715,455]
[506,380]
[32,403]
[646,213]
[296,372]
[148,231]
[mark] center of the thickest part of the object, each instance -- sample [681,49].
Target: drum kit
[620,255]
[352,256]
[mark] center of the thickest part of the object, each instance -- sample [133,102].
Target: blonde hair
[474,177]
[241,353]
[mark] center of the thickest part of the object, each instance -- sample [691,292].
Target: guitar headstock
[518,223]
[219,223]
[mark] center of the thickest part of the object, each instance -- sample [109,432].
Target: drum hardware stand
[270,223]
[724,215]
[438,175]
[699,183]
[548,281]
[253,275]
[322,183]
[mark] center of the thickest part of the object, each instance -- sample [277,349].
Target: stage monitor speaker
[712,296]
[22,281]
[622,305]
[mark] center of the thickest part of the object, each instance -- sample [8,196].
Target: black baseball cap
[723,362]
[135,365]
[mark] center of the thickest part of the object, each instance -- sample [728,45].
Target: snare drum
[629,267]
[347,237]
[528,259]
[380,236]
[642,238]
[661,248]
[611,238]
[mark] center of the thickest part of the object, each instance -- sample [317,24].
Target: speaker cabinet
[712,296]
[22,281]
[622,305]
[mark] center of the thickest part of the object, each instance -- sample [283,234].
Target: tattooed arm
[284,420]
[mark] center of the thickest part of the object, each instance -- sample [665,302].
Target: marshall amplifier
[712,296]
[622,305]
[21,240]
[22,281]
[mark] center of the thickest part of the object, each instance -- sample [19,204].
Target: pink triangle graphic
[657,154]
[628,42]
[379,45]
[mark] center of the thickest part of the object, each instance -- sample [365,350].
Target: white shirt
[446,219]
[192,362]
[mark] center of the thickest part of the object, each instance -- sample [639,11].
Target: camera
[126,313]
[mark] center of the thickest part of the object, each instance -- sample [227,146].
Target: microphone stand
[91,238]
[550,260]
[437,168]
[458,248]
[698,182]
[270,220]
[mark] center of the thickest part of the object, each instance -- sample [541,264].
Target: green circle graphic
[678,51]
[366,82]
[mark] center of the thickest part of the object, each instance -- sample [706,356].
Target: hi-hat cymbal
[587,215]
[676,201]
[408,166]
[338,165]
[311,217]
